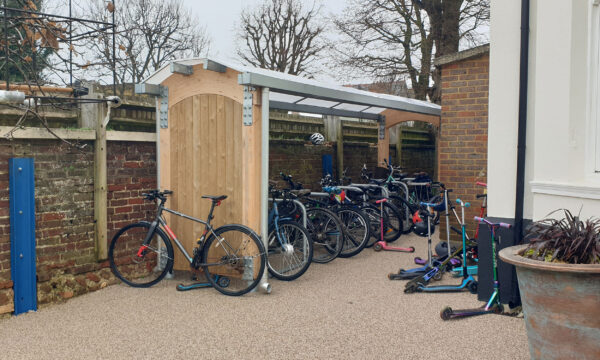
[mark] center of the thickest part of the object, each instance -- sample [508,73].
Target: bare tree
[400,37]
[282,35]
[149,33]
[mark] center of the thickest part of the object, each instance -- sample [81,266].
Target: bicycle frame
[160,221]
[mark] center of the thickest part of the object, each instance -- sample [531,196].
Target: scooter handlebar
[459,201]
[504,225]
[481,183]
[380,201]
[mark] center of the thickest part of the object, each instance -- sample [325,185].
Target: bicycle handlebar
[153,194]
[501,224]
[479,196]
[381,201]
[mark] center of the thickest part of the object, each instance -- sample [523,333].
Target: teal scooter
[468,282]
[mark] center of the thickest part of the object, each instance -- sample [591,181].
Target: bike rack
[384,191]
[302,207]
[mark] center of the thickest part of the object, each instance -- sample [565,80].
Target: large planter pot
[561,304]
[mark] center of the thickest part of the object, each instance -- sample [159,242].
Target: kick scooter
[468,282]
[416,272]
[382,244]
[493,305]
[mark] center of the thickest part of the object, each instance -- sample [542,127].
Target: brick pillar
[463,141]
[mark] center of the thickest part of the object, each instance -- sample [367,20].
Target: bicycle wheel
[137,266]
[327,233]
[356,230]
[404,212]
[374,215]
[394,222]
[234,260]
[290,251]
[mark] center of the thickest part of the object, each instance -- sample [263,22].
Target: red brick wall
[131,172]
[463,141]
[64,200]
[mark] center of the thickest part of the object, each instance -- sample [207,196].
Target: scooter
[404,274]
[382,244]
[493,305]
[416,272]
[468,282]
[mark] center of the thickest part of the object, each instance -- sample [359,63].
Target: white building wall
[559,162]
[503,107]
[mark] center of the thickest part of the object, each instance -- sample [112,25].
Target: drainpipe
[264,182]
[522,127]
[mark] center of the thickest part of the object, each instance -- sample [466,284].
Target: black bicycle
[232,256]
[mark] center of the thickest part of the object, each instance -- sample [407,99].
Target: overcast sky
[222,16]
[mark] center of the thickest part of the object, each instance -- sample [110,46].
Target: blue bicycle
[290,249]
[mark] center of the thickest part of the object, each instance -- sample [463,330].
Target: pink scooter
[382,244]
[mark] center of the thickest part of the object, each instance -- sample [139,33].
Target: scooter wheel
[410,288]
[473,287]
[446,313]
[438,276]
[377,247]
[223,281]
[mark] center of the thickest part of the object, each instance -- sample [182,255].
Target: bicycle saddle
[378,181]
[215,198]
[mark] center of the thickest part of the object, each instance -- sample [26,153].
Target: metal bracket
[164,107]
[382,128]
[177,68]
[247,106]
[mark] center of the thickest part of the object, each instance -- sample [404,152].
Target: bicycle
[232,256]
[290,249]
[355,223]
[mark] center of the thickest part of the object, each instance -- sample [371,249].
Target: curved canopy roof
[296,93]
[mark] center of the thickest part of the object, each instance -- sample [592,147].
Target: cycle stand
[301,205]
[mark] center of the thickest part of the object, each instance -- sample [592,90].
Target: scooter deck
[471,270]
[406,275]
[183,287]
[448,313]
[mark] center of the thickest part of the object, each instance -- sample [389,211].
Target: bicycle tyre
[125,263]
[283,263]
[374,215]
[357,230]
[327,234]
[395,222]
[404,209]
[234,266]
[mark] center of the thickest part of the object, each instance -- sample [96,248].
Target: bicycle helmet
[317,139]
[441,249]
[420,224]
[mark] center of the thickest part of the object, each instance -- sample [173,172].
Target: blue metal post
[22,233]
[328,165]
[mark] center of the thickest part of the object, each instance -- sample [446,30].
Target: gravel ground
[346,309]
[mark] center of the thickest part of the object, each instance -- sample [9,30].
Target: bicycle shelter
[212,130]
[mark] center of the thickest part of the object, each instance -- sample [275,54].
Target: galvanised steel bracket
[164,107]
[381,127]
[247,106]
[163,93]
